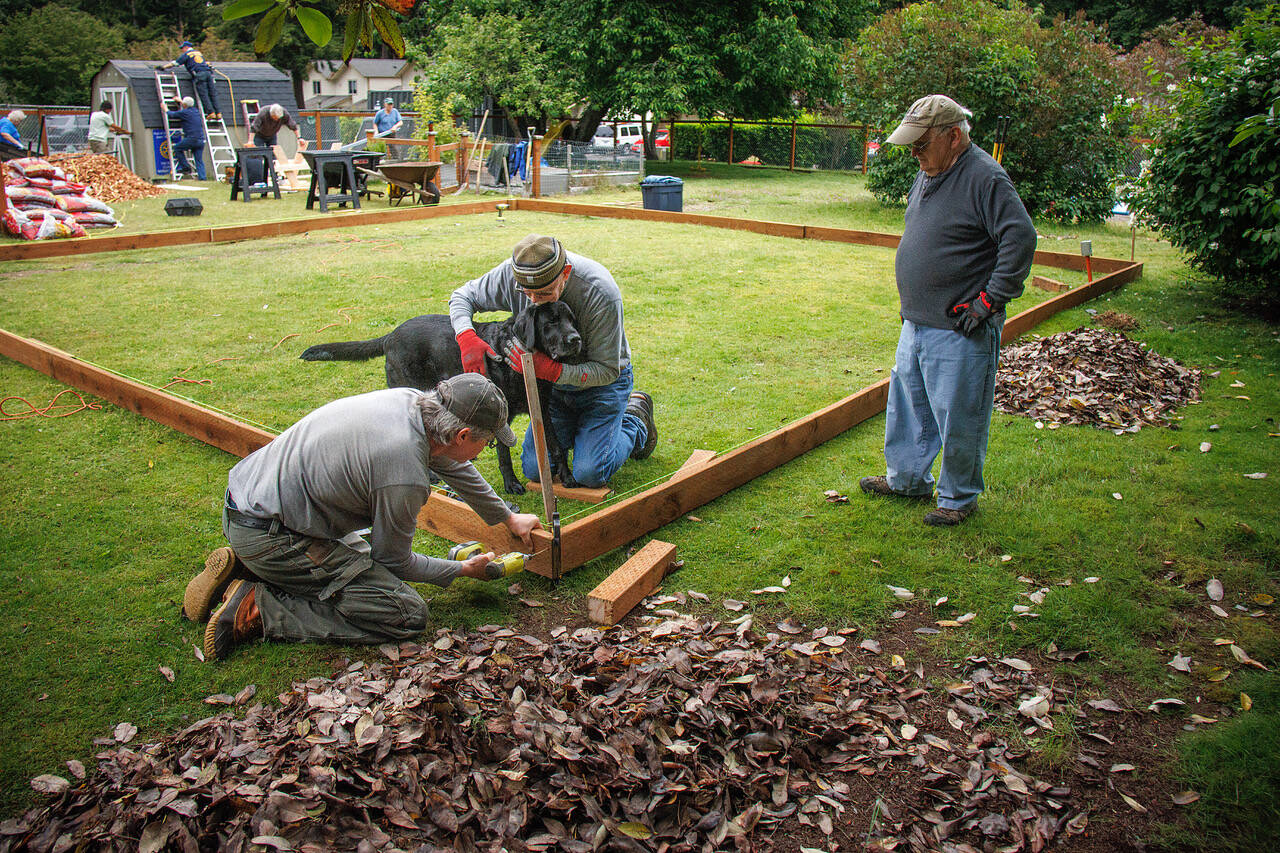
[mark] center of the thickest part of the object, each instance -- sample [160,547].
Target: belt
[238,517]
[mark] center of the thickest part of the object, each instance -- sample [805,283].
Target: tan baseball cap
[929,111]
[477,402]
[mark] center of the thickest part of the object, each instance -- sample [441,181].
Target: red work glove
[544,366]
[473,351]
[973,314]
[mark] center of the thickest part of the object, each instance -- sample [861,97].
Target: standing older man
[294,509]
[386,122]
[593,410]
[265,126]
[967,246]
[9,128]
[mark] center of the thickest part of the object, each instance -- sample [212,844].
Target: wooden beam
[586,494]
[602,531]
[1049,284]
[453,520]
[1024,322]
[691,466]
[196,421]
[630,583]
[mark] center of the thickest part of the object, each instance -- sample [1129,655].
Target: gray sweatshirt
[966,231]
[592,295]
[360,462]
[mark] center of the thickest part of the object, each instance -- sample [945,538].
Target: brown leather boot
[236,621]
[204,589]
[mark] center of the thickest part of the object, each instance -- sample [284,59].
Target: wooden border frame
[608,528]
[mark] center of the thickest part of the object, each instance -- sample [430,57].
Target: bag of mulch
[34,167]
[95,219]
[24,196]
[68,188]
[80,204]
[17,179]
[39,213]
[18,224]
[51,229]
[42,183]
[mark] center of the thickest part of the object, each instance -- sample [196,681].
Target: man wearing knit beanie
[593,410]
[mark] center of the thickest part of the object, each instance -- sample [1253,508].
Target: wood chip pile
[106,176]
[1092,376]
[680,735]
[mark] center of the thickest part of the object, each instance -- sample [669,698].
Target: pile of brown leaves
[107,178]
[1091,376]
[680,734]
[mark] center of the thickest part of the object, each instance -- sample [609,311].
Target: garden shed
[130,85]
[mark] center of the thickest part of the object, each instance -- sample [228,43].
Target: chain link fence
[789,145]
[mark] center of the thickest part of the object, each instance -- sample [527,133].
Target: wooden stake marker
[630,583]
[1049,284]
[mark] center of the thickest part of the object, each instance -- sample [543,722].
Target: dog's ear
[526,327]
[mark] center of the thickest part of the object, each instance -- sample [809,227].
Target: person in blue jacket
[202,73]
[188,118]
[9,128]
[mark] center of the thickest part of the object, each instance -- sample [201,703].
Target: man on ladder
[193,139]
[202,73]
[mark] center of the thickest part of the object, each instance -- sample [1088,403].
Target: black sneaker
[640,404]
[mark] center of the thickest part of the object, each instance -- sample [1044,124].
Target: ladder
[221,149]
[169,91]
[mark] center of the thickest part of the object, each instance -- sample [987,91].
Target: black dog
[422,352]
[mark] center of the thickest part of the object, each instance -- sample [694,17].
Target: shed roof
[365,67]
[234,82]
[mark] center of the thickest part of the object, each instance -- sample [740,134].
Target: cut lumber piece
[1049,284]
[1027,320]
[194,420]
[630,583]
[586,494]
[696,460]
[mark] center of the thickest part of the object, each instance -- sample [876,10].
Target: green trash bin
[662,192]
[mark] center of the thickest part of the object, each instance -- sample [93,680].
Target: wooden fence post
[431,145]
[792,167]
[537,166]
[866,140]
[460,157]
[730,160]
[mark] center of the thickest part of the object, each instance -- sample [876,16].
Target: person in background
[9,128]
[266,124]
[967,245]
[299,570]
[592,408]
[101,128]
[202,73]
[188,119]
[386,122]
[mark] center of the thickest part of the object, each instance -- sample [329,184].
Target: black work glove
[972,314]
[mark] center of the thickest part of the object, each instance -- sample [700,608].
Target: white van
[629,135]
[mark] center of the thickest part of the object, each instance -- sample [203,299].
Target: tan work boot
[207,587]
[236,621]
[941,517]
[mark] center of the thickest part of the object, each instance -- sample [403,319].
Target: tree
[1157,65]
[51,54]
[752,59]
[1212,186]
[1129,23]
[1066,137]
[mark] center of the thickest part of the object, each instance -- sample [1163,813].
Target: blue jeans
[196,147]
[940,395]
[206,92]
[592,423]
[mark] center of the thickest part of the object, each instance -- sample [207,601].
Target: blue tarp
[661,180]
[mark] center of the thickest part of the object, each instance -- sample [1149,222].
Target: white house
[333,85]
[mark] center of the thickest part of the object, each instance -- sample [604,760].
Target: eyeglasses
[918,146]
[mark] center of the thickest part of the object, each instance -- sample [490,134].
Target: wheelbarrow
[412,179]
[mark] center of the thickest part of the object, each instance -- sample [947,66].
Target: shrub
[891,173]
[1214,200]
[1065,143]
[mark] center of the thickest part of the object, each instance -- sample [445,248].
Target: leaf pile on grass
[107,177]
[687,734]
[1096,377]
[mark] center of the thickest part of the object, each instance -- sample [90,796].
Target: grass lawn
[106,515]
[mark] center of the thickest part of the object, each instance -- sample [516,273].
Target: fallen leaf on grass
[1132,803]
[1200,719]
[1160,704]
[735,606]
[1184,798]
[47,783]
[530,602]
[246,693]
[220,699]
[1016,663]
[908,731]
[835,497]
[124,732]
[76,768]
[1243,657]
[1264,599]
[199,653]
[1036,706]
[1217,673]
[901,592]
[1182,663]
[1257,475]
[1117,496]
[635,830]
[1092,579]
[965,618]
[1246,702]
[1122,768]
[1206,446]
[1214,589]
[275,841]
[167,673]
[1218,611]
[1106,705]
[870,646]
[765,589]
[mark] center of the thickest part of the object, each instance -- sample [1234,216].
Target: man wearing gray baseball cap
[593,409]
[298,569]
[967,245]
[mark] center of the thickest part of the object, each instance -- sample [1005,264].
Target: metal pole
[792,167]
[730,160]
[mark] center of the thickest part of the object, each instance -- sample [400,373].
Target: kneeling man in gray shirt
[297,569]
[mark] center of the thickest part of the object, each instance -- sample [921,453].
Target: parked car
[661,140]
[628,134]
